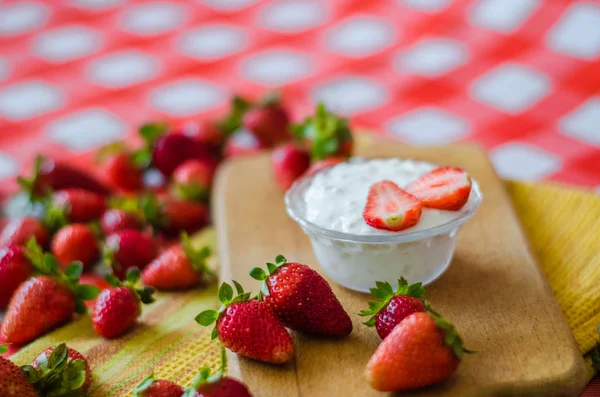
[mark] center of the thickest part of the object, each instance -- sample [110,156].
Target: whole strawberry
[248,327]
[44,302]
[171,150]
[59,371]
[302,299]
[179,267]
[122,172]
[80,205]
[289,163]
[75,242]
[157,388]
[207,384]
[269,122]
[423,349]
[13,380]
[392,307]
[118,308]
[192,180]
[128,248]
[114,220]
[20,230]
[243,143]
[15,269]
[172,215]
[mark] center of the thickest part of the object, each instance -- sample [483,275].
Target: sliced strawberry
[445,188]
[391,208]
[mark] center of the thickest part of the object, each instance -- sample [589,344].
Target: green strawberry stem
[258,273]
[149,133]
[233,121]
[451,336]
[190,191]
[29,184]
[55,216]
[142,387]
[144,294]
[209,317]
[383,293]
[46,264]
[3,348]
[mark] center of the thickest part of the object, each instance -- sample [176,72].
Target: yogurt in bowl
[329,208]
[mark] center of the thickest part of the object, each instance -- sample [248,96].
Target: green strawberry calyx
[209,317]
[233,121]
[383,293]
[55,216]
[132,279]
[44,263]
[29,184]
[149,132]
[57,374]
[3,348]
[190,191]
[258,273]
[205,376]
[451,336]
[198,256]
[143,386]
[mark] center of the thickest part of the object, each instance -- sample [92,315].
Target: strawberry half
[392,307]
[391,208]
[445,188]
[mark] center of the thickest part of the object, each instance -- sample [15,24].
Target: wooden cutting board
[494,292]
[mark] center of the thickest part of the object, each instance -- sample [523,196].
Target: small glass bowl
[358,261]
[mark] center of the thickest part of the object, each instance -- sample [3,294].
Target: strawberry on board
[423,349]
[391,208]
[302,299]
[44,302]
[128,248]
[150,387]
[59,371]
[268,121]
[118,308]
[79,205]
[289,162]
[248,327]
[75,242]
[192,180]
[122,172]
[13,380]
[445,188]
[320,165]
[15,269]
[172,215]
[392,307]
[20,230]
[114,220]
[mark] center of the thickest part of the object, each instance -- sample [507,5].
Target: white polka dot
[187,97]
[22,17]
[212,41]
[28,99]
[277,67]
[432,57]
[66,43]
[523,161]
[360,36]
[511,87]
[430,6]
[87,129]
[351,95]
[123,69]
[577,33]
[4,69]
[292,15]
[428,126]
[8,166]
[228,5]
[503,16]
[583,123]
[97,5]
[153,18]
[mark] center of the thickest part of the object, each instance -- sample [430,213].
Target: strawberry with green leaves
[75,242]
[192,180]
[268,121]
[47,301]
[172,215]
[118,308]
[150,387]
[79,205]
[302,299]
[13,380]
[391,307]
[59,371]
[128,248]
[248,327]
[289,163]
[20,230]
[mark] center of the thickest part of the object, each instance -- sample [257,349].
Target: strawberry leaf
[214,334]
[74,271]
[87,292]
[280,260]
[151,131]
[3,348]
[258,274]
[133,276]
[190,191]
[113,280]
[225,293]
[238,287]
[271,267]
[451,336]
[233,121]
[146,294]
[207,317]
[142,387]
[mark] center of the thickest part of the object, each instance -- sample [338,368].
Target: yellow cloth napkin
[563,226]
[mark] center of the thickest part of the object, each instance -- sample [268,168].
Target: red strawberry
[118,308]
[324,164]
[391,308]
[445,188]
[243,143]
[179,267]
[172,215]
[80,205]
[122,172]
[268,123]
[391,208]
[217,385]
[193,179]
[43,303]
[171,150]
[248,327]
[52,175]
[13,380]
[15,269]
[289,162]
[157,388]
[206,132]
[75,242]
[422,350]
[20,230]
[302,299]
[114,220]
[128,248]
[59,371]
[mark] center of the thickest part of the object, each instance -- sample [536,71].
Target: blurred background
[518,77]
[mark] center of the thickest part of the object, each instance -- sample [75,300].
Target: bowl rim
[298,186]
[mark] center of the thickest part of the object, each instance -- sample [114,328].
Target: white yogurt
[336,197]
